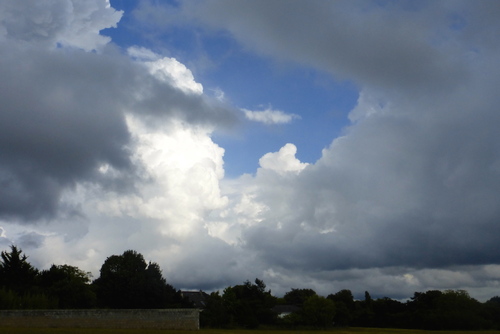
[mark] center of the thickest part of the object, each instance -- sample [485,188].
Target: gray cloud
[57,125]
[388,45]
[405,200]
[46,23]
[63,116]
[414,180]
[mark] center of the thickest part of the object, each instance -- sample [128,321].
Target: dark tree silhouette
[250,304]
[69,284]
[298,296]
[344,307]
[127,281]
[16,273]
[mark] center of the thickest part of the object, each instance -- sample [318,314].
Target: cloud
[102,152]
[411,185]
[329,36]
[64,112]
[283,161]
[269,116]
[48,23]
[115,151]
[168,70]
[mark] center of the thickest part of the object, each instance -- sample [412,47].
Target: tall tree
[298,296]
[250,304]
[318,312]
[16,273]
[448,310]
[69,284]
[491,311]
[127,281]
[216,313]
[344,307]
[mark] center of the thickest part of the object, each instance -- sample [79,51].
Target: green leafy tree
[69,284]
[491,312]
[388,313]
[448,310]
[364,316]
[457,310]
[127,281]
[10,300]
[18,289]
[298,296]
[422,308]
[250,305]
[216,313]
[318,312]
[344,307]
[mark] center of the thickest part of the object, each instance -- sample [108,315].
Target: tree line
[128,281]
[250,305]
[125,281]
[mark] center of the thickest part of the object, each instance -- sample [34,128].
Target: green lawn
[229,331]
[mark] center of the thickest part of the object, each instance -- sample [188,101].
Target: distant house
[198,298]
[284,310]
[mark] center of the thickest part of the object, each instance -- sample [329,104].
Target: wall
[186,319]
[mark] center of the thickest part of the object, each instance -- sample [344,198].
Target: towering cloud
[103,149]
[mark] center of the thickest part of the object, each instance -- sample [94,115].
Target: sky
[311,144]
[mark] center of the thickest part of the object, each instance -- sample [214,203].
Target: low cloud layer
[102,151]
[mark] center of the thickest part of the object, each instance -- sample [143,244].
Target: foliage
[491,311]
[127,281]
[318,312]
[388,313]
[247,305]
[216,313]
[298,296]
[17,283]
[10,299]
[451,309]
[16,273]
[344,307]
[250,305]
[69,284]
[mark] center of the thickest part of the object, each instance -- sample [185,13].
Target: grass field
[229,331]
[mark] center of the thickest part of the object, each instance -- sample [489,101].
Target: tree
[250,305]
[344,307]
[69,284]
[16,273]
[365,315]
[298,296]
[491,311]
[127,281]
[318,312]
[216,313]
[457,310]
[448,310]
[388,313]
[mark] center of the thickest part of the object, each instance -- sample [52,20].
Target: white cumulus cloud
[269,116]
[167,69]
[50,22]
[283,161]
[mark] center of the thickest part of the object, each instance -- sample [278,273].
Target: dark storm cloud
[63,116]
[405,200]
[397,190]
[415,180]
[59,122]
[386,44]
